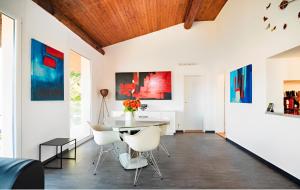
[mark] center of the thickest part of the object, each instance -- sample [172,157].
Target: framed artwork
[47,72]
[241,85]
[144,85]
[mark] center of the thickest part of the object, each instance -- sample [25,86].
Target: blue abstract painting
[47,72]
[241,85]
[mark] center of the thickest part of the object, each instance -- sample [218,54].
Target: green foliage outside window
[75,86]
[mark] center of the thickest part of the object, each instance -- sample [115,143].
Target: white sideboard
[154,115]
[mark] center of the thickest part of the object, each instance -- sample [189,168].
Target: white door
[193,103]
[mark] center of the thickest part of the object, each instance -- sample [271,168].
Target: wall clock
[282,5]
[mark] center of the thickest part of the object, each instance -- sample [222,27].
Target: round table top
[119,124]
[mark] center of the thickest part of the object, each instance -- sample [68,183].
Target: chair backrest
[99,127]
[145,140]
[110,121]
[163,129]
[103,136]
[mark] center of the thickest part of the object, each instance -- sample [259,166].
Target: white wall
[219,115]
[292,85]
[243,40]
[164,51]
[42,121]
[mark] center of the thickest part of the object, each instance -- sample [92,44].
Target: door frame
[222,103]
[17,88]
[90,136]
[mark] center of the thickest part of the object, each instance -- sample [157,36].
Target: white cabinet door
[169,116]
[147,116]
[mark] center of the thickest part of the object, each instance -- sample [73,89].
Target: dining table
[129,160]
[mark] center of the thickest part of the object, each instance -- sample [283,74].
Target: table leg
[131,152]
[40,152]
[131,159]
[75,149]
[61,157]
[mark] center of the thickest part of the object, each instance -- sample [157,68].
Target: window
[80,96]
[7,53]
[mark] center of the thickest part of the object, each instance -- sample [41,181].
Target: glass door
[80,96]
[7,65]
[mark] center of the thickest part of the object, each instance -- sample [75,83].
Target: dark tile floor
[197,161]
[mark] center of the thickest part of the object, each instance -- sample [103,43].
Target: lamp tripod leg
[106,107]
[100,111]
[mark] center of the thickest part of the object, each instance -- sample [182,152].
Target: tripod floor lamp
[103,107]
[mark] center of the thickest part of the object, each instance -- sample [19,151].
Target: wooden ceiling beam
[191,13]
[47,5]
[77,30]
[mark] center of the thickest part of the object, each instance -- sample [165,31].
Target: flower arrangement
[131,105]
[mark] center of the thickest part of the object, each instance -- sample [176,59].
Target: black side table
[57,142]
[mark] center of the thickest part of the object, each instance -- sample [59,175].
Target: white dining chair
[104,136]
[145,141]
[163,132]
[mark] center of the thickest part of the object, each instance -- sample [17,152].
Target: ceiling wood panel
[107,22]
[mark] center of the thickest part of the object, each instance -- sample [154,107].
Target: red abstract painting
[144,85]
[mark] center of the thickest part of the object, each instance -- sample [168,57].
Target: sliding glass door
[80,96]
[7,90]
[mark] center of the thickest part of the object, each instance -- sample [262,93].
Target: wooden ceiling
[105,22]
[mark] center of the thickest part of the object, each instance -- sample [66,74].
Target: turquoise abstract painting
[241,85]
[47,72]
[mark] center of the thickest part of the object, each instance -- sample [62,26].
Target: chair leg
[99,158]
[94,160]
[135,176]
[137,173]
[164,148]
[115,152]
[155,166]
